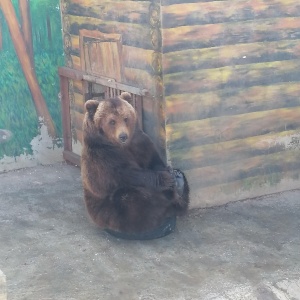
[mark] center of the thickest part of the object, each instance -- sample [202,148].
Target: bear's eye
[112,122]
[125,120]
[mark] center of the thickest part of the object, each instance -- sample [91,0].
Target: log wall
[223,80]
[232,91]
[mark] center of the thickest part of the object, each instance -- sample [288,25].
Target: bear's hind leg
[140,209]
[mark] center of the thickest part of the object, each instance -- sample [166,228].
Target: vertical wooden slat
[66,116]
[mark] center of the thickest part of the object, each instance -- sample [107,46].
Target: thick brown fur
[127,186]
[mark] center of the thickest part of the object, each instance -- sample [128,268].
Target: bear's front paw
[166,179]
[179,179]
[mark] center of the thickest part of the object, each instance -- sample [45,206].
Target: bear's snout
[123,137]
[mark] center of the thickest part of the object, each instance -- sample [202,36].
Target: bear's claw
[179,181]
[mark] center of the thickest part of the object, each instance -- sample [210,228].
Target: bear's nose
[123,137]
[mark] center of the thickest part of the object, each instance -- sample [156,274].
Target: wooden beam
[115,85]
[70,73]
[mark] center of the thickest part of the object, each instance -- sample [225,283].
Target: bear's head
[114,119]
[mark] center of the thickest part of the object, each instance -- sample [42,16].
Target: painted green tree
[30,50]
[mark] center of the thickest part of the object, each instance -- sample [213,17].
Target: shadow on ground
[49,249]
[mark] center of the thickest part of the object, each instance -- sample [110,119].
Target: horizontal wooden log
[231,101]
[264,165]
[170,2]
[139,78]
[78,86]
[76,62]
[75,86]
[70,73]
[78,104]
[184,14]
[132,34]
[232,76]
[75,44]
[213,35]
[137,58]
[216,57]
[250,187]
[187,107]
[215,130]
[121,11]
[229,151]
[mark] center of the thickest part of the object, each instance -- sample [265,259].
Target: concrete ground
[49,249]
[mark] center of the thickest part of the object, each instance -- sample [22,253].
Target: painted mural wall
[31,50]
[232,91]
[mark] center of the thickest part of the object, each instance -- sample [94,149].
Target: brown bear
[127,186]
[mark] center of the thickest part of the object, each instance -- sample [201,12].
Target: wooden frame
[101,38]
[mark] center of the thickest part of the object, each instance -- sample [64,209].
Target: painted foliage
[30,51]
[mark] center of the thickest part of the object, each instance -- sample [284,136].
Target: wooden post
[66,117]
[65,74]
[68,155]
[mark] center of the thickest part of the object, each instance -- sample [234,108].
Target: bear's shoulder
[144,151]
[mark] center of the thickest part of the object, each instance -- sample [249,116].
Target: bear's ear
[91,107]
[126,96]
